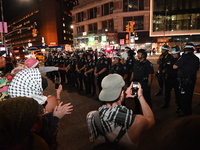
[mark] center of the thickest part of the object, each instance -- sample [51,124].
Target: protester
[116,118]
[17,117]
[28,83]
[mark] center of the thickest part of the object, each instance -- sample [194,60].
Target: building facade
[102,23]
[50,21]
[175,22]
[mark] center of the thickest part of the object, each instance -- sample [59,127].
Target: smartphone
[135,88]
[57,82]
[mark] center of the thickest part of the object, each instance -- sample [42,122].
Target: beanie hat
[31,63]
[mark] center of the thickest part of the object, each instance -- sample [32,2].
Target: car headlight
[17,57]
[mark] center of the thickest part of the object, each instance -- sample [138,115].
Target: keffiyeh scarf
[110,117]
[27,83]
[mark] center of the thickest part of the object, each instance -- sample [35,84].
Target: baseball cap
[31,63]
[111,87]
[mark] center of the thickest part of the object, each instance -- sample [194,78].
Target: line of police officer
[84,69]
[178,72]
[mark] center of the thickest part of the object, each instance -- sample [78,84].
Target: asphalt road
[73,132]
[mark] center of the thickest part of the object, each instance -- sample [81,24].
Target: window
[108,24]
[107,8]
[181,15]
[139,22]
[80,29]
[92,28]
[92,13]
[133,5]
[80,17]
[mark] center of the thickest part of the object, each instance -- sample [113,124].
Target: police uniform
[163,58]
[171,80]
[188,65]
[141,71]
[81,78]
[55,64]
[101,63]
[66,63]
[61,72]
[129,64]
[72,72]
[90,83]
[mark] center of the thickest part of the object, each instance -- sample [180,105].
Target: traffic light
[130,26]
[127,28]
[34,32]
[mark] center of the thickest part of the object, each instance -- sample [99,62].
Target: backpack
[108,145]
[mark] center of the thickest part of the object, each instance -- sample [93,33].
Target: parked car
[39,56]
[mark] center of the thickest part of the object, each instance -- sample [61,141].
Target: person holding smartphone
[114,117]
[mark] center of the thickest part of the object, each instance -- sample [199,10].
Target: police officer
[66,63]
[80,67]
[187,66]
[129,63]
[61,64]
[163,58]
[171,80]
[142,72]
[89,73]
[56,64]
[101,68]
[72,72]
[118,67]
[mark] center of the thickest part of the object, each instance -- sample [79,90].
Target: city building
[103,24]
[175,22]
[45,24]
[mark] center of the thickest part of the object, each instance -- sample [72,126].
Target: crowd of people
[111,72]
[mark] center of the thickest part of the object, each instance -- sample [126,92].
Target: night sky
[12,8]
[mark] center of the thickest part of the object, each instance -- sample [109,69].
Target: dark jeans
[169,84]
[161,80]
[186,95]
[90,84]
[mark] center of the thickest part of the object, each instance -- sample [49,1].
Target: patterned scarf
[110,117]
[27,83]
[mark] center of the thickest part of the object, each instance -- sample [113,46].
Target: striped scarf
[110,117]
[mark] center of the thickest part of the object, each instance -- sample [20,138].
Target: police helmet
[131,53]
[80,53]
[175,49]
[127,48]
[165,47]
[72,57]
[117,56]
[90,49]
[189,47]
[102,51]
[143,51]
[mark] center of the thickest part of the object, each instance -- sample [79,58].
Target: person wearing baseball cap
[188,66]
[118,122]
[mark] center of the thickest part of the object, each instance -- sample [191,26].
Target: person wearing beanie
[188,66]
